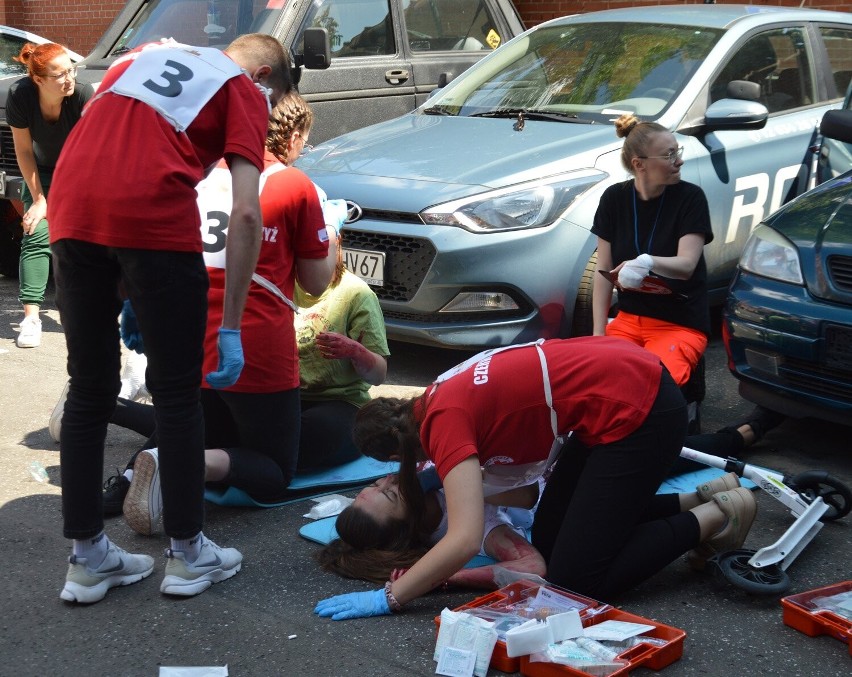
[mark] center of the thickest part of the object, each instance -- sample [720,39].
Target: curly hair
[36,57]
[637,135]
[292,114]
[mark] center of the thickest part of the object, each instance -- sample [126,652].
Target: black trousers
[600,524]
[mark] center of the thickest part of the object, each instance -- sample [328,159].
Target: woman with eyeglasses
[651,233]
[41,109]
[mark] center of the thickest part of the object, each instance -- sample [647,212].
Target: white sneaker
[214,564]
[143,504]
[54,425]
[29,335]
[86,585]
[133,378]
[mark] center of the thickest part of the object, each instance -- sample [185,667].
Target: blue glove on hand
[129,329]
[354,605]
[231,359]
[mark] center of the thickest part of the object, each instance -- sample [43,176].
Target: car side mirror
[316,54]
[837,124]
[735,114]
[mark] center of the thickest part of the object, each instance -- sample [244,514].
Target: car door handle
[396,76]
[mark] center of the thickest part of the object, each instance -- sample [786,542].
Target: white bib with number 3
[176,80]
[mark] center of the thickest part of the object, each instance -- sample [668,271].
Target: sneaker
[54,425]
[86,585]
[726,482]
[29,335]
[115,491]
[144,502]
[740,507]
[214,564]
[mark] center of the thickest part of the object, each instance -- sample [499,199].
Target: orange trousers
[679,348]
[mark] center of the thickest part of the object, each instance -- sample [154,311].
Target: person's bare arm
[466,522]
[370,366]
[601,289]
[511,550]
[244,236]
[25,156]
[314,275]
[681,266]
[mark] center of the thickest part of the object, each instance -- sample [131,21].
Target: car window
[206,23]
[10,47]
[776,60]
[440,25]
[594,70]
[355,27]
[838,44]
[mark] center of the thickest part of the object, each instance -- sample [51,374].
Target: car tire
[11,233]
[582,323]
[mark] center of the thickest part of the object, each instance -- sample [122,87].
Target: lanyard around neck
[636,223]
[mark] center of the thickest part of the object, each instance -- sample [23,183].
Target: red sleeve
[245,119]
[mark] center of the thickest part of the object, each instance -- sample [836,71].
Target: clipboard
[652,284]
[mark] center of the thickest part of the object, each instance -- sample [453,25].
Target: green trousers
[35,258]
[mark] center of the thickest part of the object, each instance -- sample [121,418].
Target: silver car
[471,216]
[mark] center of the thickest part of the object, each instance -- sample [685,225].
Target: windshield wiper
[436,110]
[533,114]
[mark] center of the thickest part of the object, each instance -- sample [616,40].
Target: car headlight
[770,254]
[529,205]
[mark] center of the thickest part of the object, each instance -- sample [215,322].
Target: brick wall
[79,23]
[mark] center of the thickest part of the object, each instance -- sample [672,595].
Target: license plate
[838,348]
[3,184]
[368,265]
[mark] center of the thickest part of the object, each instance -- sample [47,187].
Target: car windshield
[581,72]
[205,23]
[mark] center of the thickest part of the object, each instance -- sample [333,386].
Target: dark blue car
[787,321]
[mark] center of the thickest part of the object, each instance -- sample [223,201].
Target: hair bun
[625,124]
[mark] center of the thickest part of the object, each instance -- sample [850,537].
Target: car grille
[840,269]
[833,381]
[8,162]
[407,261]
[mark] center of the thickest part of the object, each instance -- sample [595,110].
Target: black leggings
[600,525]
[326,439]
[259,432]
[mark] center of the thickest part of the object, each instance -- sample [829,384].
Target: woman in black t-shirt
[41,109]
[654,223]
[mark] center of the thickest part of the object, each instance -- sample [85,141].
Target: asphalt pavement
[261,622]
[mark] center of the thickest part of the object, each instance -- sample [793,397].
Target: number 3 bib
[176,80]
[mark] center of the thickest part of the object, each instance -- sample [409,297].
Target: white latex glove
[634,271]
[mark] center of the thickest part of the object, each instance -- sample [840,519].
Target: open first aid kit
[541,630]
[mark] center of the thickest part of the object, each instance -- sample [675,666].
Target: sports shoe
[115,491]
[86,585]
[214,564]
[29,335]
[726,482]
[54,425]
[740,507]
[143,504]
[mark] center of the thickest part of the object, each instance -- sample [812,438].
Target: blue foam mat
[683,484]
[305,485]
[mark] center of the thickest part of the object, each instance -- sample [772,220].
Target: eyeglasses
[64,75]
[672,157]
[307,148]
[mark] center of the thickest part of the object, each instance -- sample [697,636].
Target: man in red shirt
[124,209]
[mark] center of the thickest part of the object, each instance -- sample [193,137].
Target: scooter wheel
[770,580]
[809,485]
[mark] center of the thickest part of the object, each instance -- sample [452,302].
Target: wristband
[393,604]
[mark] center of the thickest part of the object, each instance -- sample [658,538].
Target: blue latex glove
[354,605]
[231,360]
[129,329]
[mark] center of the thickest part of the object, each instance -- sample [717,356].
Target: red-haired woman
[41,109]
